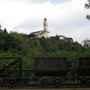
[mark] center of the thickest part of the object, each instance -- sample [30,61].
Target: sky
[65,17]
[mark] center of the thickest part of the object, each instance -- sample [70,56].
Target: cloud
[66,18]
[43,1]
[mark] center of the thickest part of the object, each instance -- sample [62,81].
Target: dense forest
[15,44]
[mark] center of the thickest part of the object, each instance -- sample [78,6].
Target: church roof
[41,32]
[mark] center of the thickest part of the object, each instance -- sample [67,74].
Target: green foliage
[17,44]
[87,5]
[86,43]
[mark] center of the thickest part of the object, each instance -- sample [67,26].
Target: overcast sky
[65,17]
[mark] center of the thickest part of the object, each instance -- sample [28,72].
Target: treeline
[23,45]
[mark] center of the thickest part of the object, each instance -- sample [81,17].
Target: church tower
[43,33]
[45,25]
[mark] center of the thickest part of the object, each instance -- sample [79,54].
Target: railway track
[51,86]
[64,86]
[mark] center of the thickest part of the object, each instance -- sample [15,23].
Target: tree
[86,43]
[87,5]
[5,31]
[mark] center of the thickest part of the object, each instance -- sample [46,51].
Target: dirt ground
[45,89]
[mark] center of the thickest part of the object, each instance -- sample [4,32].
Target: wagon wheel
[11,82]
[58,81]
[44,82]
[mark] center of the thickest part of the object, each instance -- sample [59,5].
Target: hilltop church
[43,33]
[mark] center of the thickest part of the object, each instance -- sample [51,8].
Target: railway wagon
[51,70]
[10,70]
[47,71]
[83,69]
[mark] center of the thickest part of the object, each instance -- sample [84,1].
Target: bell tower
[45,25]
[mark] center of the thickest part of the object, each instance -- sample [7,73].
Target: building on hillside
[61,37]
[43,33]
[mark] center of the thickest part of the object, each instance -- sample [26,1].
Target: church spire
[45,25]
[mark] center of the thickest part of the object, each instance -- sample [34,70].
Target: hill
[18,44]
